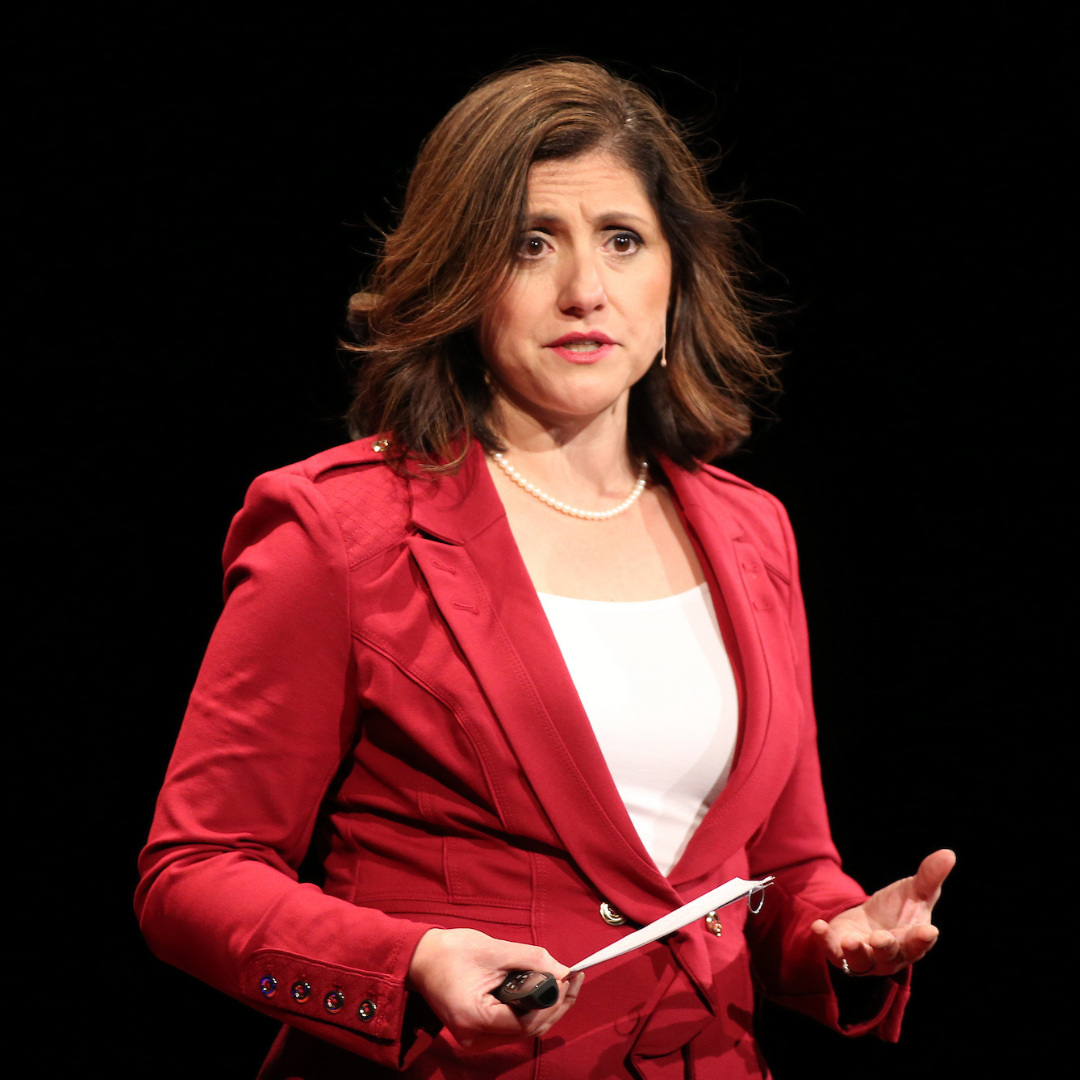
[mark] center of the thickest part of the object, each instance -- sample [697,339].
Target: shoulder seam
[726,477]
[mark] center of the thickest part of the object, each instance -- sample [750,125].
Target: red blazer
[383,684]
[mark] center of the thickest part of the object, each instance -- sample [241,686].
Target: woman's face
[584,314]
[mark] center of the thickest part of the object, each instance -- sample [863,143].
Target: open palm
[892,928]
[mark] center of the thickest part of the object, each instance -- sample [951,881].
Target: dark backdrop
[204,193]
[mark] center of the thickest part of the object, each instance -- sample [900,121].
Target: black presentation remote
[526,990]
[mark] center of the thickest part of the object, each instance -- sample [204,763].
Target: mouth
[582,348]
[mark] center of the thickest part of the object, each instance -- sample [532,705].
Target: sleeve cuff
[367,1013]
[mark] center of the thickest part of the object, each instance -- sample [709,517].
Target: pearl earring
[663,354]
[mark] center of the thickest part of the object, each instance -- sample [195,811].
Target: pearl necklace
[587,515]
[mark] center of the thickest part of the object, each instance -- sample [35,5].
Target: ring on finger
[855,974]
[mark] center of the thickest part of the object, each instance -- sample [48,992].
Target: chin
[577,410]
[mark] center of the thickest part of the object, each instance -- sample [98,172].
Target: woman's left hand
[892,928]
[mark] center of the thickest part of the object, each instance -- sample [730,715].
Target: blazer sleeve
[796,845]
[270,721]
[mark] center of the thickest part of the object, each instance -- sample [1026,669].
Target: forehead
[593,184]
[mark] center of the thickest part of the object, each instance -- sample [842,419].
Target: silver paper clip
[758,887]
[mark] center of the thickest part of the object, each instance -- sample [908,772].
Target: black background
[204,192]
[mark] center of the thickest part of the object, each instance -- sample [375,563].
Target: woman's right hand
[456,970]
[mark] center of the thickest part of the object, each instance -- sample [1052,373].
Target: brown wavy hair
[421,376]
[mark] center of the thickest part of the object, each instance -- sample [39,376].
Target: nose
[581,288]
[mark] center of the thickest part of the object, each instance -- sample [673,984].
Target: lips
[582,348]
[578,335]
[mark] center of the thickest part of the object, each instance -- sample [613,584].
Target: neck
[591,454]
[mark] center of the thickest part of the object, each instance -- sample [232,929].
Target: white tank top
[656,683]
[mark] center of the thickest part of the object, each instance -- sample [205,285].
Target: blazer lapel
[759,648]
[470,561]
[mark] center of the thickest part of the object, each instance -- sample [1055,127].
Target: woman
[512,724]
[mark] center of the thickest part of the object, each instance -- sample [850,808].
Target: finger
[501,1026]
[533,1023]
[917,941]
[885,946]
[569,988]
[858,954]
[550,1017]
[522,959]
[530,958]
[828,940]
[573,987]
[854,953]
[933,870]
[885,949]
[457,973]
[847,949]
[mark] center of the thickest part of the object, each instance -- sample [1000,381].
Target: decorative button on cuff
[300,991]
[611,914]
[366,1010]
[334,1001]
[713,923]
[268,986]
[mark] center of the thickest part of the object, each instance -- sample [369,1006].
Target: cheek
[503,322]
[661,288]
[492,333]
[501,344]
[649,299]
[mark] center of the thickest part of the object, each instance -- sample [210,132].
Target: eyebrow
[608,217]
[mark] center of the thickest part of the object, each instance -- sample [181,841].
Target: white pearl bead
[586,515]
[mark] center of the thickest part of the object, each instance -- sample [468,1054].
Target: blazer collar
[458,507]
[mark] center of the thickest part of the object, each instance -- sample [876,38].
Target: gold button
[611,914]
[713,924]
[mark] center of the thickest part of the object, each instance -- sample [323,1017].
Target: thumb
[933,870]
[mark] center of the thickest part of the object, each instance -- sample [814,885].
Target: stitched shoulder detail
[372,507]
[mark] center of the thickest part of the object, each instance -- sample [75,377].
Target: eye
[625,242]
[532,246]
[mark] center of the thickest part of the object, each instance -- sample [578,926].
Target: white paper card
[728,893]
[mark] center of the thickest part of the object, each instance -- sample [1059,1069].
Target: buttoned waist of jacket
[572,920]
